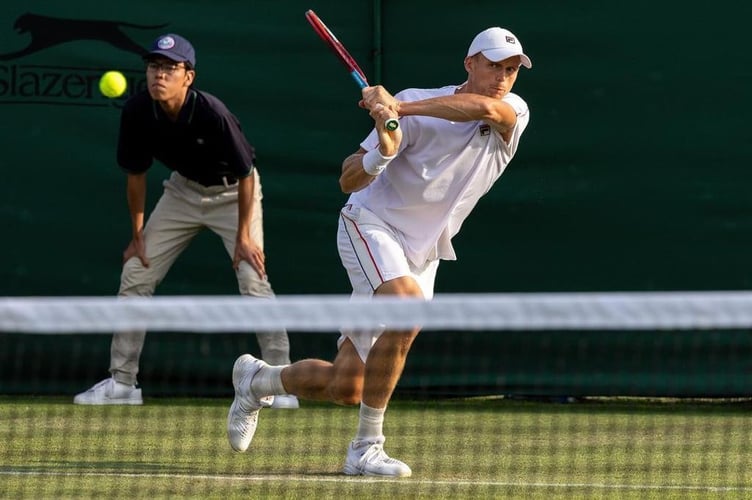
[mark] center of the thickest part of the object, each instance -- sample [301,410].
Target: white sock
[268,382]
[371,423]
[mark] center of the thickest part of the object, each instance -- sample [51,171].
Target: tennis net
[504,395]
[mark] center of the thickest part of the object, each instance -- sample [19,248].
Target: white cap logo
[166,43]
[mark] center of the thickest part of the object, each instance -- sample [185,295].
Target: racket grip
[359,79]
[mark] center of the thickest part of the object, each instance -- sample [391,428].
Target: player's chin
[157,92]
[497,93]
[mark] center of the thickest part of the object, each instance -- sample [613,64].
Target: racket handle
[359,79]
[391,124]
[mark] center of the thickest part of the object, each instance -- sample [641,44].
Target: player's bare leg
[346,381]
[340,382]
[383,369]
[384,366]
[349,381]
[256,383]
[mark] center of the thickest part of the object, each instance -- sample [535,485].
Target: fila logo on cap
[510,39]
[166,43]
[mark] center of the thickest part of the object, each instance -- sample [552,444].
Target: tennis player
[411,189]
[214,184]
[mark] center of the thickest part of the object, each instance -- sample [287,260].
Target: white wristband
[374,162]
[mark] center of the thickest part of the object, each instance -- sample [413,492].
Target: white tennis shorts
[371,252]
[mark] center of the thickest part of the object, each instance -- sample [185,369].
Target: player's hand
[382,106]
[389,140]
[378,95]
[136,248]
[247,250]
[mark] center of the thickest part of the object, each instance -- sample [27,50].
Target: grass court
[458,448]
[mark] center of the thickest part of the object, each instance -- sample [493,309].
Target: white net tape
[328,313]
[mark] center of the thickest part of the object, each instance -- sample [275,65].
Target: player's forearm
[246,187]
[136,195]
[458,107]
[353,177]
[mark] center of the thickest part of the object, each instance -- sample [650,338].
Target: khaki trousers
[184,209]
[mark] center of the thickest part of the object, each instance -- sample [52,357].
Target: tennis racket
[344,56]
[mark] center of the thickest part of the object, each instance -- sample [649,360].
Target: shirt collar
[186,112]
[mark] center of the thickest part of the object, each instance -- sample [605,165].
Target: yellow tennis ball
[113,84]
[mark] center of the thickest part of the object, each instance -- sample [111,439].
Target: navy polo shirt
[205,144]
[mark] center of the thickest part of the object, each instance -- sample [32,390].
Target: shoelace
[375,452]
[374,460]
[101,383]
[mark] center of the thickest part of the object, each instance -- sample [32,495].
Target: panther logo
[47,32]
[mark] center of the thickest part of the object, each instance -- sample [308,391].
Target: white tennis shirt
[442,170]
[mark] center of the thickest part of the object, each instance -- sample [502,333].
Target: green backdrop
[633,175]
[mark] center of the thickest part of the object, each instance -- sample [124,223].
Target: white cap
[498,44]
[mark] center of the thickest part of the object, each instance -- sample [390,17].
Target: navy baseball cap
[173,47]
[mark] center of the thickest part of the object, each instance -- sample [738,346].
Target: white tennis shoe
[367,458]
[110,392]
[243,415]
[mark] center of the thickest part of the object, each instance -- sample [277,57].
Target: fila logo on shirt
[485,130]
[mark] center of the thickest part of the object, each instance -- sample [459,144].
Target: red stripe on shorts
[370,255]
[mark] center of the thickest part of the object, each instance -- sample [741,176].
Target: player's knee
[403,286]
[402,339]
[136,288]
[347,394]
[137,280]
[251,284]
[349,400]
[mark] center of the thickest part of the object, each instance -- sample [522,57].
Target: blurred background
[632,176]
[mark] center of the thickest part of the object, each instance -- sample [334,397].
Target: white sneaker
[367,458]
[243,415]
[286,401]
[110,392]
